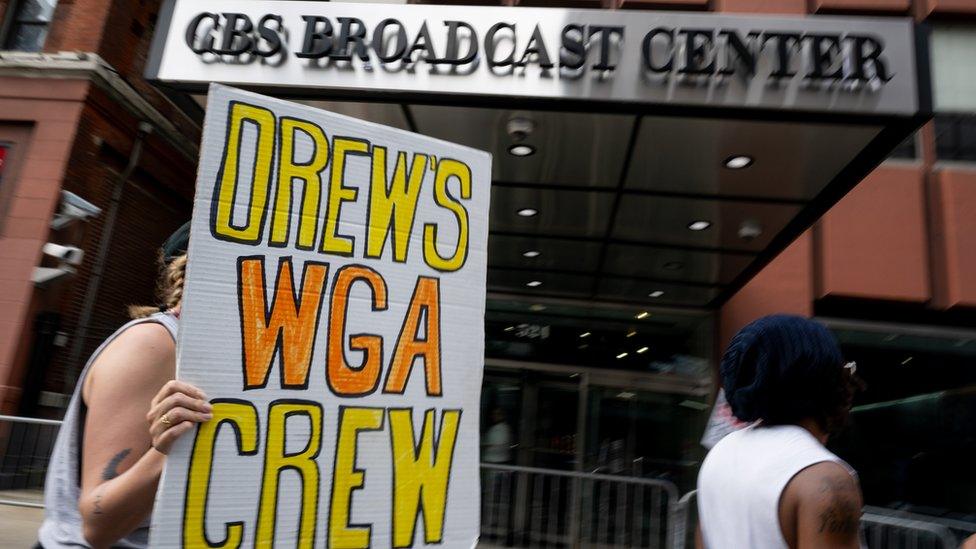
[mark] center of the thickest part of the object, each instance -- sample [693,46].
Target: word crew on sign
[286,326]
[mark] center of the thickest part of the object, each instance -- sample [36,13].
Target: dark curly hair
[783,369]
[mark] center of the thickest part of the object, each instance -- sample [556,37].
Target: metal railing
[529,507]
[885,531]
[880,528]
[25,449]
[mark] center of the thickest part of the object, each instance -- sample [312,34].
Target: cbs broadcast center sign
[468,54]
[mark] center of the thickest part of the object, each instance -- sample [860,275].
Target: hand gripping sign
[333,311]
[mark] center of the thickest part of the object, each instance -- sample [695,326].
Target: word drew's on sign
[334,310]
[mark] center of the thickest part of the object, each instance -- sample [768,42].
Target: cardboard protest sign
[721,422]
[334,314]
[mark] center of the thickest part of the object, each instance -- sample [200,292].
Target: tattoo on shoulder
[112,469]
[841,515]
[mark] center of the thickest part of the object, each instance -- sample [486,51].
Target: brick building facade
[69,119]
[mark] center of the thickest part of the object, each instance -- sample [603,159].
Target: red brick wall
[119,31]
[4,4]
[761,6]
[925,8]
[784,286]
[154,202]
[126,48]
[954,226]
[51,113]
[78,25]
[867,6]
[874,243]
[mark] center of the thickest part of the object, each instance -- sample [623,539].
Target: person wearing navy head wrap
[774,485]
[784,369]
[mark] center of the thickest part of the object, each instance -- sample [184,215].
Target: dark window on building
[912,431]
[955,136]
[905,149]
[28,29]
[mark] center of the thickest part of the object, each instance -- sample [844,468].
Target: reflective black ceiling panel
[674,264]
[543,253]
[729,225]
[569,148]
[783,160]
[558,213]
[654,293]
[550,284]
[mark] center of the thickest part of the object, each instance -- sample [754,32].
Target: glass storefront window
[660,342]
[553,444]
[30,25]
[646,434]
[501,406]
[643,384]
[912,435]
[955,136]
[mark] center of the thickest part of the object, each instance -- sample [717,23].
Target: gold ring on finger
[164,419]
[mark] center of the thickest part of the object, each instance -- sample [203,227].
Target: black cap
[177,242]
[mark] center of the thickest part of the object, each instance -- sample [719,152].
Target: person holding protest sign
[104,471]
[774,484]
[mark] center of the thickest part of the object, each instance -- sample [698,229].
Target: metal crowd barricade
[25,449]
[880,528]
[530,507]
[904,532]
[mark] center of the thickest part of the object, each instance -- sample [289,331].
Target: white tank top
[62,527]
[742,478]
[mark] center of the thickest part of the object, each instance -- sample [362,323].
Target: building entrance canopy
[640,157]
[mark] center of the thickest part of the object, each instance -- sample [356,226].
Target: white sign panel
[334,314]
[413,52]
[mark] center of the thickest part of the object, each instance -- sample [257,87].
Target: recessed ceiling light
[642,315]
[531,253]
[626,395]
[536,307]
[510,328]
[699,225]
[621,355]
[738,162]
[533,283]
[674,265]
[521,149]
[656,293]
[583,346]
[527,212]
[632,333]
[642,350]
[585,334]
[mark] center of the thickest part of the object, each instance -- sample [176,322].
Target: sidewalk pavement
[18,525]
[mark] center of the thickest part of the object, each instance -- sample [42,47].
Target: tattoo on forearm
[98,503]
[842,515]
[112,469]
